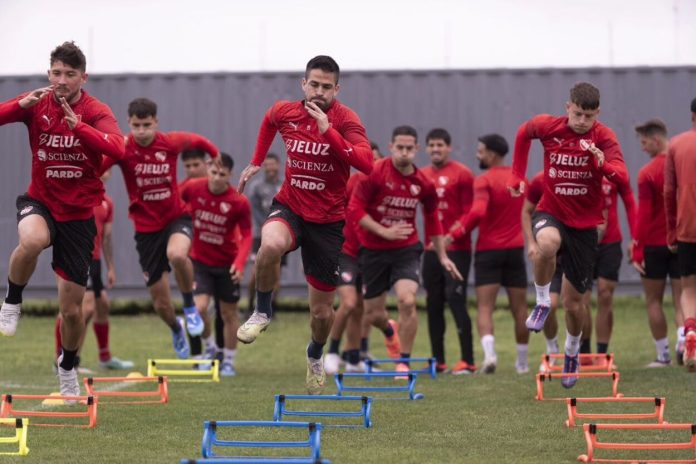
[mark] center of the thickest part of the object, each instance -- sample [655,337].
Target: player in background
[218,257]
[69,131]
[499,259]
[578,152]
[680,204]
[323,140]
[454,185]
[649,253]
[163,230]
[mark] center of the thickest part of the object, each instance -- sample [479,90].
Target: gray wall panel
[228,108]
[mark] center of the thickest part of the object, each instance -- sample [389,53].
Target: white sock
[229,355]
[210,342]
[662,349]
[552,345]
[488,344]
[543,296]
[681,337]
[572,344]
[522,354]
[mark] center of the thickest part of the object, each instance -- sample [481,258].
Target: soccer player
[649,252]
[578,152]
[323,139]
[680,202]
[454,185]
[162,228]
[195,165]
[384,205]
[69,130]
[218,260]
[499,256]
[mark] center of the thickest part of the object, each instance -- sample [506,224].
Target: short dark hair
[652,127]
[693,105]
[495,143]
[192,153]
[585,95]
[325,63]
[70,54]
[373,145]
[404,130]
[273,156]
[226,161]
[142,108]
[439,134]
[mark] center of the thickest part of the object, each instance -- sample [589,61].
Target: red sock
[689,325]
[101,330]
[59,341]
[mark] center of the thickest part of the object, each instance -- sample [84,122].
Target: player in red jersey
[578,152]
[323,139]
[499,256]
[218,259]
[680,204]
[162,228]
[454,185]
[649,253]
[69,130]
[384,205]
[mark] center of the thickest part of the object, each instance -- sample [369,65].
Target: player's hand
[70,116]
[516,188]
[532,251]
[447,240]
[35,96]
[319,115]
[235,274]
[639,266]
[450,267]
[598,156]
[399,231]
[248,172]
[110,277]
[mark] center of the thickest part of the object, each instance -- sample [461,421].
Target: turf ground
[465,419]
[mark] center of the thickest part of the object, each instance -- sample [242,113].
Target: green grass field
[466,419]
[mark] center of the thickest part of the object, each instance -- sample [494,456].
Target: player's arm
[103,137]
[15,109]
[267,133]
[670,193]
[244,247]
[469,221]
[188,140]
[629,201]
[609,160]
[357,213]
[645,211]
[520,158]
[433,228]
[108,252]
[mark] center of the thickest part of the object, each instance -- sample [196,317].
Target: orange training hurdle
[600,362]
[541,378]
[573,414]
[161,394]
[7,410]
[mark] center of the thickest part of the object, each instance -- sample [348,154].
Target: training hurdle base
[21,426]
[409,388]
[281,409]
[161,394]
[154,369]
[429,369]
[593,443]
[541,378]
[573,414]
[7,410]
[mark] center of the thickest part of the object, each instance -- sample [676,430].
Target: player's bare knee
[322,311]
[177,258]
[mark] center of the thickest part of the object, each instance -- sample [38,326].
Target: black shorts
[382,268]
[152,248]
[557,279]
[95,283]
[660,263]
[256,244]
[321,244]
[578,247]
[215,281]
[686,253]
[608,261]
[436,279]
[72,241]
[349,272]
[505,267]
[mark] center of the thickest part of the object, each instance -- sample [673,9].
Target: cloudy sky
[269,35]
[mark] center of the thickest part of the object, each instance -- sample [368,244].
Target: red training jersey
[215,219]
[103,214]
[390,197]
[611,192]
[150,176]
[572,180]
[351,243]
[651,224]
[318,165]
[535,189]
[680,188]
[454,185]
[66,163]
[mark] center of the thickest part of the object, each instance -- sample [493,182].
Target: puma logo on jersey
[294,125]
[348,151]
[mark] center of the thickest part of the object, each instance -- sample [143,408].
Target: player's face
[438,151]
[650,145]
[271,168]
[66,81]
[580,120]
[143,129]
[403,150]
[320,87]
[484,156]
[195,167]
[218,178]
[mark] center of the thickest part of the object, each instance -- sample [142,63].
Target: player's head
[403,146]
[219,177]
[194,163]
[582,107]
[653,136]
[142,120]
[271,167]
[491,149]
[320,83]
[438,146]
[67,73]
[376,154]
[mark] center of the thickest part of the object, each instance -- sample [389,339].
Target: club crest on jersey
[443,180]
[540,224]
[225,207]
[606,188]
[161,156]
[552,173]
[415,189]
[26,210]
[346,276]
[585,144]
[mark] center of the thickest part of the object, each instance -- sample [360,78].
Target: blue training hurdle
[430,369]
[408,388]
[281,410]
